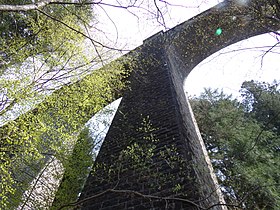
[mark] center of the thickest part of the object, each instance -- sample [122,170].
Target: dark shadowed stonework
[152,119]
[153,156]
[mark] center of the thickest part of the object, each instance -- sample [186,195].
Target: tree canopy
[51,129]
[43,52]
[40,51]
[243,141]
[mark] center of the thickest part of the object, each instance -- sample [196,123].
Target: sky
[230,67]
[227,69]
[224,70]
[130,27]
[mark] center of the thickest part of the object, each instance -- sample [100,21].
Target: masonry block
[153,156]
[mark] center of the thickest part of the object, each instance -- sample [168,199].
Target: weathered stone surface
[155,120]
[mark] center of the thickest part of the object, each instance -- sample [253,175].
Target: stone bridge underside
[153,156]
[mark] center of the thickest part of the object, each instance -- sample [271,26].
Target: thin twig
[134,193]
[79,32]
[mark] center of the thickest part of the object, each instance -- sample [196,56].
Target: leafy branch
[150,197]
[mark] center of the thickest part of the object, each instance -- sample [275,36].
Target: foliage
[243,148]
[27,34]
[262,100]
[38,52]
[77,168]
[42,50]
[53,126]
[148,161]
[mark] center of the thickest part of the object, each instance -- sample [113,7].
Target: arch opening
[45,190]
[251,59]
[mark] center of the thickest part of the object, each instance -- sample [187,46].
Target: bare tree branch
[79,32]
[134,193]
[43,3]
[159,15]
[25,7]
[38,178]
[267,51]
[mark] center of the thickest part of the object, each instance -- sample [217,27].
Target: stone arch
[156,92]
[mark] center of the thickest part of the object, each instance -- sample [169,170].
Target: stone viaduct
[153,156]
[153,146]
